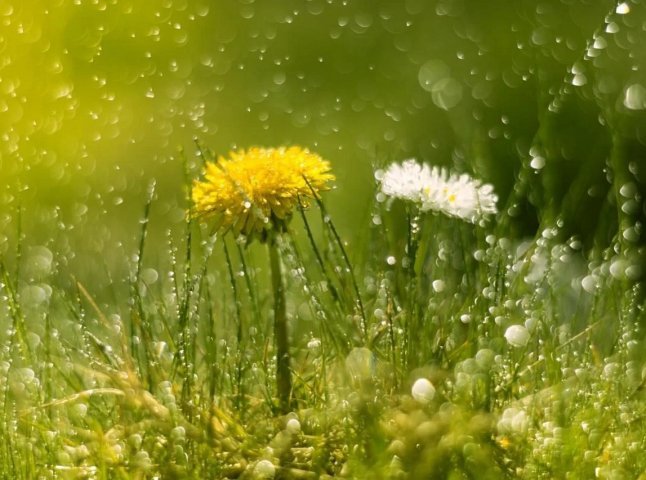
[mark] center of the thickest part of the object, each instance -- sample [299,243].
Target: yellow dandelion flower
[255,189]
[503,442]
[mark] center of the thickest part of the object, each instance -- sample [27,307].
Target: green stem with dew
[283,376]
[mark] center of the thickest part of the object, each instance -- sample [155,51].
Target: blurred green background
[546,100]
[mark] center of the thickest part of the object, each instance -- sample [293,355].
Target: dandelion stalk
[281,339]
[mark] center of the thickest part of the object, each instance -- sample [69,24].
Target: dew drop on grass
[80,410]
[590,283]
[579,80]
[617,268]
[33,295]
[635,97]
[628,190]
[264,469]
[634,272]
[623,8]
[33,340]
[537,163]
[423,391]
[432,72]
[517,336]
[293,426]
[149,276]
[612,27]
[485,358]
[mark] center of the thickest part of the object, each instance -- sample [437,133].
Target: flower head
[254,189]
[458,196]
[406,180]
[436,189]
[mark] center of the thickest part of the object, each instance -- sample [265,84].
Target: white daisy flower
[458,196]
[436,189]
[406,180]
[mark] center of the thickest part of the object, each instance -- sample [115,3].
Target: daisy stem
[412,245]
[283,377]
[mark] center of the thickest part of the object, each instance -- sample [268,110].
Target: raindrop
[279,78]
[630,207]
[293,426]
[579,80]
[635,97]
[631,234]
[541,36]
[314,343]
[628,190]
[432,72]
[447,93]
[423,391]
[623,8]
[363,20]
[612,27]
[517,336]
[33,295]
[149,276]
[634,272]
[590,283]
[264,469]
[617,268]
[600,43]
[537,163]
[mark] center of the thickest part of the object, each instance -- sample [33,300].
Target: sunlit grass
[449,351]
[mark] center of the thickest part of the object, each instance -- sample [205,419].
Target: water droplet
[617,268]
[579,80]
[537,163]
[447,93]
[590,283]
[600,43]
[517,336]
[264,469]
[149,275]
[612,27]
[432,72]
[293,426]
[314,343]
[635,97]
[439,285]
[623,8]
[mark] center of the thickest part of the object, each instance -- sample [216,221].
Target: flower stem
[283,377]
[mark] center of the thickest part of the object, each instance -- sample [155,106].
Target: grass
[176,376]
